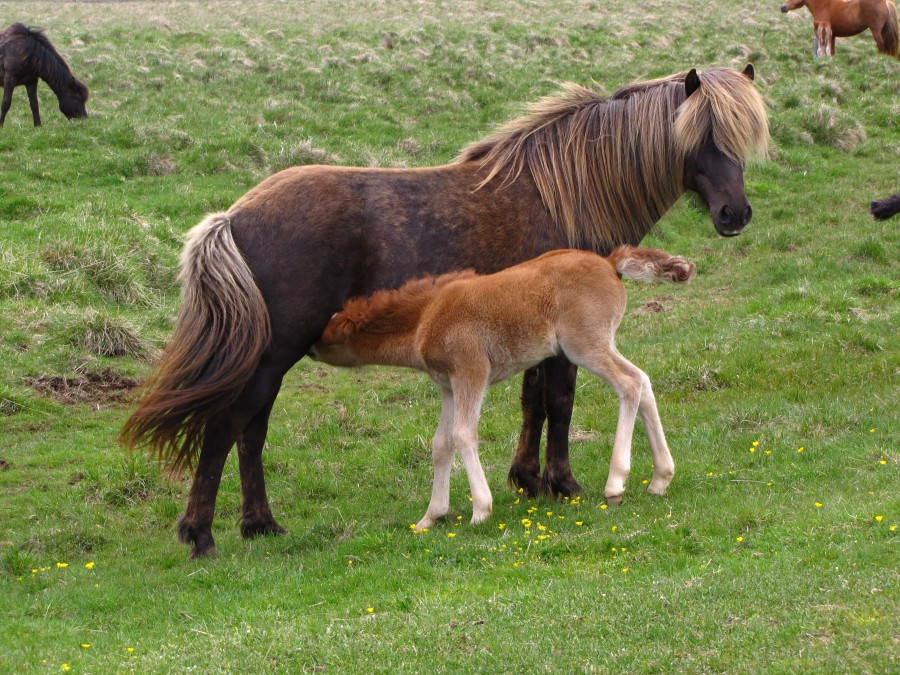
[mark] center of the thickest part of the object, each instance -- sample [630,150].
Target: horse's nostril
[748,214]
[725,215]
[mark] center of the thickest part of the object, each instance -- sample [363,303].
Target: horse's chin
[728,231]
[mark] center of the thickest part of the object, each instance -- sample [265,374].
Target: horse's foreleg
[195,526]
[526,466]
[442,456]
[559,399]
[31,88]
[663,464]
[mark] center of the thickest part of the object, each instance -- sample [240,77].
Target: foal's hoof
[614,500]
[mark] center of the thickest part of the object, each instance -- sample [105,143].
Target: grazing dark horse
[26,55]
[845,18]
[886,208]
[261,281]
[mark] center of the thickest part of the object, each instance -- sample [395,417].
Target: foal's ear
[749,72]
[691,82]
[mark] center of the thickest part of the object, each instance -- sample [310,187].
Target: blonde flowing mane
[608,169]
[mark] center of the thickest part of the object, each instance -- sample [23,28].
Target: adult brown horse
[845,18]
[27,55]
[261,281]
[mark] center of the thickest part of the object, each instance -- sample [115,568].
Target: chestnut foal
[469,332]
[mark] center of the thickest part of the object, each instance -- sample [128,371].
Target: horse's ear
[347,328]
[749,72]
[691,82]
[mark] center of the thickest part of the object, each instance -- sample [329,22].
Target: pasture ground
[776,371]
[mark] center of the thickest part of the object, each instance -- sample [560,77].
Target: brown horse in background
[26,55]
[261,281]
[845,18]
[470,332]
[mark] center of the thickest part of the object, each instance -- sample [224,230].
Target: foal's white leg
[625,379]
[663,464]
[442,456]
[468,392]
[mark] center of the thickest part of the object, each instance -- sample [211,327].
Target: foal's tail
[889,32]
[650,264]
[221,332]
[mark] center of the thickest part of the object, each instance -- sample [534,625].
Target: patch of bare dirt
[105,386]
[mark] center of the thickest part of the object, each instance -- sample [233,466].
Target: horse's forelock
[728,108]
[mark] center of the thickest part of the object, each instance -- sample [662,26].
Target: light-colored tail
[220,335]
[651,265]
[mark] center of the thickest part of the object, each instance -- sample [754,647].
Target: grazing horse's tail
[889,32]
[221,333]
[650,264]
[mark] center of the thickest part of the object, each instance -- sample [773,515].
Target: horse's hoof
[251,529]
[614,500]
[202,552]
[480,516]
[424,524]
[529,483]
[565,486]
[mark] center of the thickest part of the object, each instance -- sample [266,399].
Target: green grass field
[776,371]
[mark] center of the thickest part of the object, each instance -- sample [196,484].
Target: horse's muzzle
[730,222]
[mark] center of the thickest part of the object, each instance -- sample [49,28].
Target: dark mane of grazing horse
[25,55]
[571,141]
[885,208]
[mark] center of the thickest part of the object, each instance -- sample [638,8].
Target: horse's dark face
[71,103]
[72,107]
[719,181]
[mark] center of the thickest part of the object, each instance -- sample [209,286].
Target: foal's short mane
[387,308]
[45,60]
[571,143]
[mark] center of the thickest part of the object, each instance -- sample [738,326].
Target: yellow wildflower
[89,565]
[85,646]
[625,569]
[65,667]
[740,539]
[603,507]
[800,449]
[129,649]
[579,523]
[61,565]
[501,526]
[818,505]
[615,527]
[451,534]
[878,519]
[370,609]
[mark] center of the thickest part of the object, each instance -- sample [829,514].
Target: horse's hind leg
[256,514]
[31,88]
[526,466]
[7,100]
[559,400]
[195,526]
[663,464]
